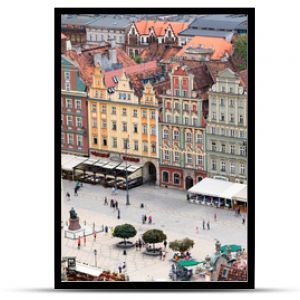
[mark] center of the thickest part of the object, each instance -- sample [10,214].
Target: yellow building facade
[118,118]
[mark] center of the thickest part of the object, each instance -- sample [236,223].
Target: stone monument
[73,220]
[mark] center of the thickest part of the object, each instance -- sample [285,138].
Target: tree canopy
[154,236]
[124,231]
[181,245]
[241,52]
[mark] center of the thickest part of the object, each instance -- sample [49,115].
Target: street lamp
[127,193]
[95,252]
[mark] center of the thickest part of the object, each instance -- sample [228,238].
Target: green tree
[181,245]
[154,236]
[241,52]
[137,59]
[124,231]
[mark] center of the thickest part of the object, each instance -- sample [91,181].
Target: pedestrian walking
[215,217]
[105,201]
[84,240]
[78,242]
[208,225]
[117,204]
[68,196]
[119,214]
[125,252]
[150,220]
[75,191]
[243,220]
[124,265]
[203,224]
[95,235]
[140,244]
[106,229]
[145,219]
[163,255]
[120,268]
[165,244]
[136,246]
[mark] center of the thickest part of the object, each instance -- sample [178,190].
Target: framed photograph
[154,148]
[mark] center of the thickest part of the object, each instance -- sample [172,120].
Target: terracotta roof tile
[159,27]
[124,59]
[220,46]
[244,78]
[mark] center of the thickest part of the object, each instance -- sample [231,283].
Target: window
[128,97]
[124,124]
[145,146]
[78,122]
[241,134]
[114,143]
[223,148]
[232,168]
[95,140]
[199,138]
[186,121]
[213,130]
[213,146]
[135,113]
[176,135]
[125,143]
[189,158]
[67,76]
[222,102]
[144,114]
[168,105]
[166,155]
[241,119]
[101,95]
[176,105]
[144,129]
[176,178]
[165,133]
[113,110]
[114,125]
[223,166]
[177,92]
[78,104]
[186,107]
[104,141]
[70,139]
[136,145]
[214,115]
[242,151]
[242,169]
[232,150]
[223,89]
[169,118]
[152,114]
[96,94]
[231,103]
[184,93]
[69,103]
[103,108]
[124,112]
[222,117]
[231,118]
[194,121]
[69,121]
[213,165]
[222,131]
[153,147]
[200,160]
[135,128]
[189,137]
[94,123]
[176,156]
[165,177]
[231,90]
[177,119]
[94,108]
[153,130]
[232,132]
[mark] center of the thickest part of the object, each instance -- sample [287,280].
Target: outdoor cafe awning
[188,263]
[217,188]
[241,195]
[69,165]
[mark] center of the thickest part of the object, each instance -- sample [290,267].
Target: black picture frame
[157,286]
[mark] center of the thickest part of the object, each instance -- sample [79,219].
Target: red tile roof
[149,67]
[220,46]
[124,59]
[215,66]
[244,78]
[159,27]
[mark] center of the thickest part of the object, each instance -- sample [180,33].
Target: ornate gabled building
[74,129]
[182,132]
[227,127]
[122,125]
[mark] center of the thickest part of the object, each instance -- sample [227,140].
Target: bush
[181,245]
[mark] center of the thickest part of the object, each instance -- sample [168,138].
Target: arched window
[176,178]
[165,176]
